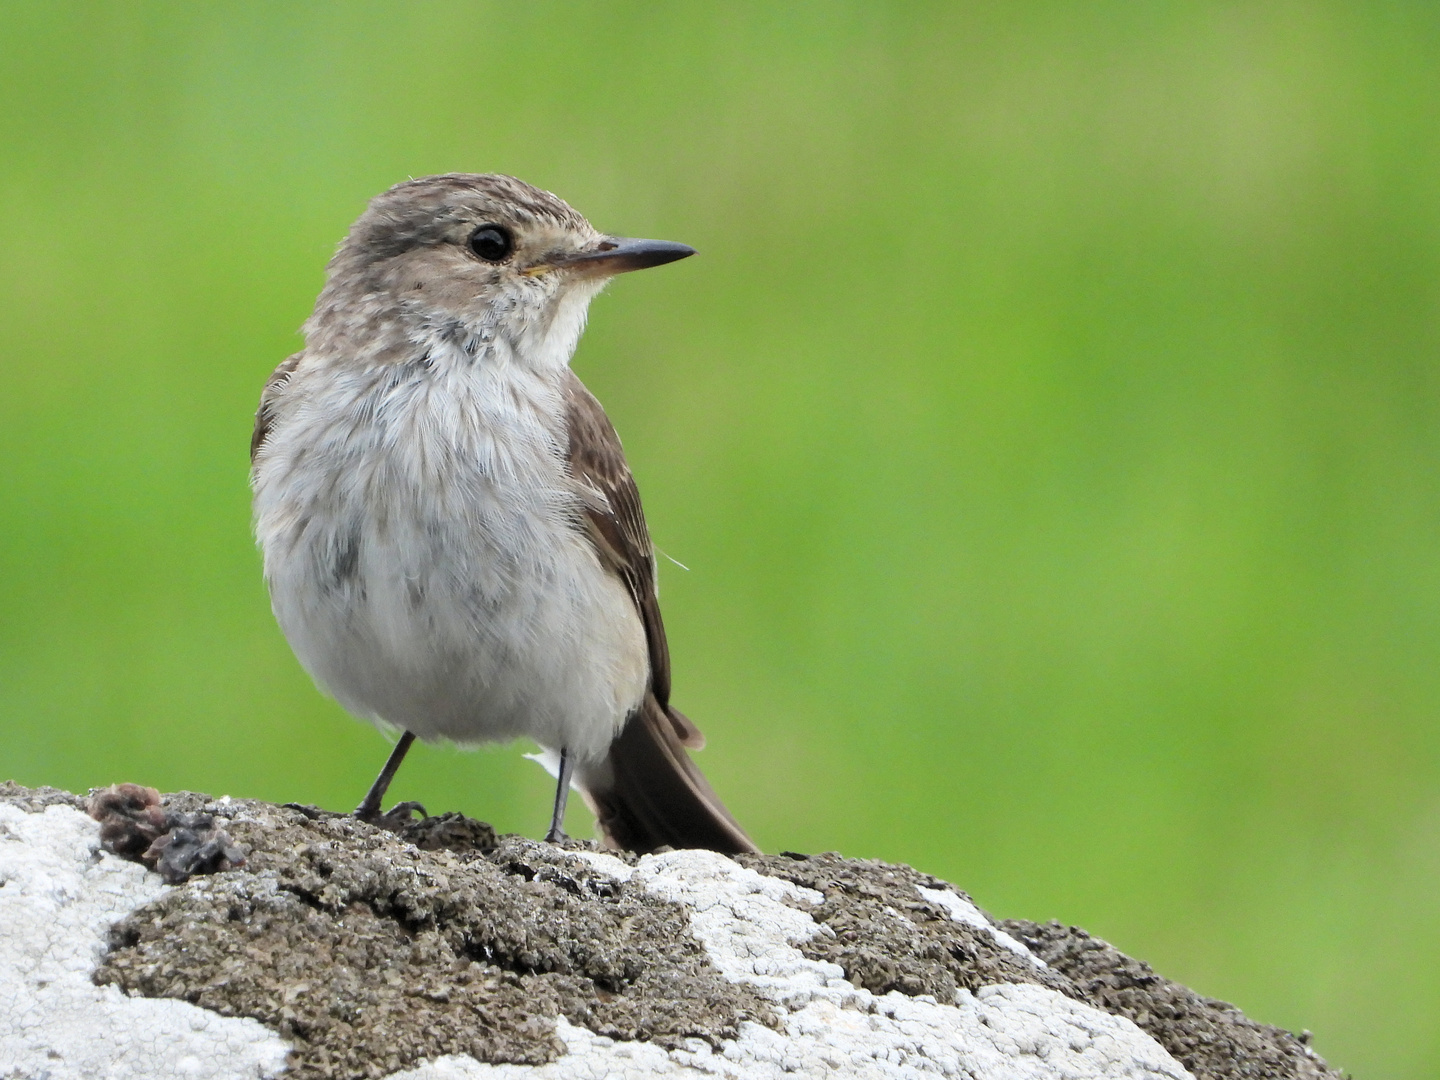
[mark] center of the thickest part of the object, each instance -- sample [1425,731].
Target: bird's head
[487,259]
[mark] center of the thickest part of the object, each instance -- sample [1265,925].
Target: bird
[452,539]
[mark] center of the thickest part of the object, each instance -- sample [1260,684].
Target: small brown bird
[453,541]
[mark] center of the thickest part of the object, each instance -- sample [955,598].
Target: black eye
[491,242]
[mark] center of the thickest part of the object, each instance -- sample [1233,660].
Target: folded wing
[647,793]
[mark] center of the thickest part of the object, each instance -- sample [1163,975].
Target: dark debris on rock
[136,824]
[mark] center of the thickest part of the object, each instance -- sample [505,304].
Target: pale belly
[470,609]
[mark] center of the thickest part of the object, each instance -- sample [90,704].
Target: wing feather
[647,793]
[265,414]
[615,523]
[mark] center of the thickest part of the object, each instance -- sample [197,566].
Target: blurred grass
[1050,427]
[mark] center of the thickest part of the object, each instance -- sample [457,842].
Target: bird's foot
[556,836]
[397,817]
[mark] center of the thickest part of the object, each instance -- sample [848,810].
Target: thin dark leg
[562,793]
[369,808]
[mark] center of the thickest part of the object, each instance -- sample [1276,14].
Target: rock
[317,946]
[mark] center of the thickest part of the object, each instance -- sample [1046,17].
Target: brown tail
[648,793]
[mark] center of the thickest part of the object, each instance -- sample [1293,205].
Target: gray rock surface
[332,948]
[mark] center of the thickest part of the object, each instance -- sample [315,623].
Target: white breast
[424,560]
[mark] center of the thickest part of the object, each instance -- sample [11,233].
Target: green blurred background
[1049,426]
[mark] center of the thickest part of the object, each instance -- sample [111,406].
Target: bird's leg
[562,793]
[369,808]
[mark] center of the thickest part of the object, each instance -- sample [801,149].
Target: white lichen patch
[743,920]
[963,911]
[608,865]
[59,893]
[750,926]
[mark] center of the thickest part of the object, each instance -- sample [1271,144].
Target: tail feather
[647,793]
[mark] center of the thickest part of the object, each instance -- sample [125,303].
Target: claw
[398,816]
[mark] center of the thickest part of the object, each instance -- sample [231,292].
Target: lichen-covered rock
[59,894]
[370,954]
[1211,1038]
[440,951]
[885,925]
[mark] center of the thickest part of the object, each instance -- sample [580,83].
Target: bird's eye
[492,243]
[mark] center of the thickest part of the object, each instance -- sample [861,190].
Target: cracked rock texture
[441,951]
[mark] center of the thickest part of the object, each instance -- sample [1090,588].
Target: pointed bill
[619,255]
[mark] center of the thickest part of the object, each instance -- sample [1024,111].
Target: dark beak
[618,255]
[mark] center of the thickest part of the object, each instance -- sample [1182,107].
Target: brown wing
[265,414]
[615,523]
[647,793]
